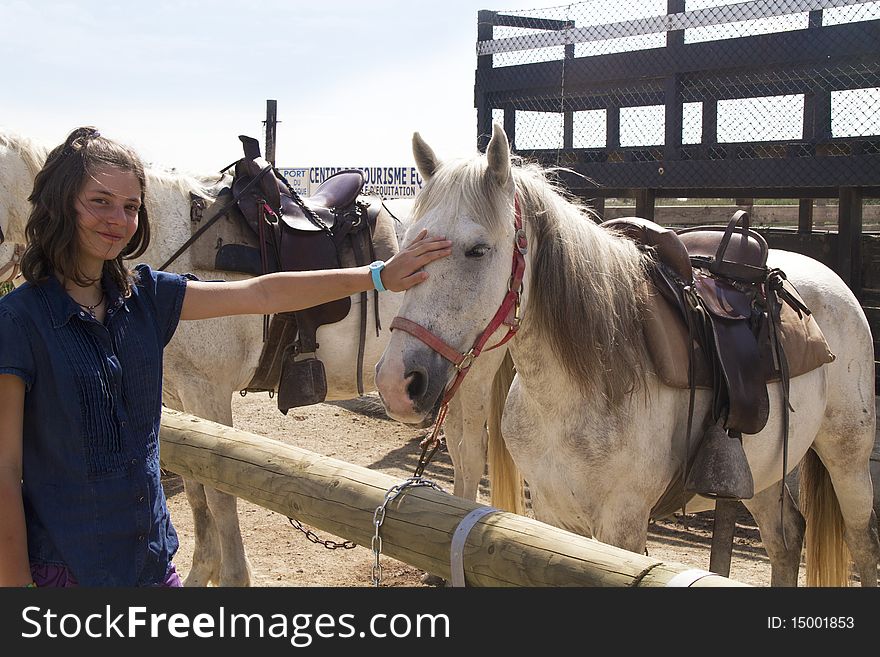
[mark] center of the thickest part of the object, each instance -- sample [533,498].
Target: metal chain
[313,537]
[379,518]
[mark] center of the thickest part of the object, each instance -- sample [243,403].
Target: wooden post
[673,120]
[271,129]
[723,529]
[849,237]
[485,30]
[567,114]
[672,92]
[645,200]
[709,137]
[805,216]
[501,549]
[612,127]
[510,126]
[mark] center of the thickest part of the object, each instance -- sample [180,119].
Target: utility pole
[271,129]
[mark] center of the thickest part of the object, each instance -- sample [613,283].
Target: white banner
[386,182]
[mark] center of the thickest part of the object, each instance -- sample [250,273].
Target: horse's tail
[505,478]
[828,560]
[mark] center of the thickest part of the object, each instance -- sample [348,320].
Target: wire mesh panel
[709,95]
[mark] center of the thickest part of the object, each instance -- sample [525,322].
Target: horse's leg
[203,399]
[467,435]
[205,566]
[206,549]
[784,555]
[851,479]
[235,568]
[466,439]
[844,445]
[621,523]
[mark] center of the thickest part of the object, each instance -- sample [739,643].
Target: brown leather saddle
[725,304]
[299,234]
[284,231]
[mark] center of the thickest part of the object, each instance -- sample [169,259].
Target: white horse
[596,434]
[208,361]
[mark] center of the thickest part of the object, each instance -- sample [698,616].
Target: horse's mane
[186,182]
[32,153]
[588,284]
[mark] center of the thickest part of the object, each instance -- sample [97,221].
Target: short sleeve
[166,290]
[16,355]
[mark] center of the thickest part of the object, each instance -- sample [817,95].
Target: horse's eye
[478,251]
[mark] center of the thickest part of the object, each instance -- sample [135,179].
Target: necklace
[91,309]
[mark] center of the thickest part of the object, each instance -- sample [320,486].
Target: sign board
[385,182]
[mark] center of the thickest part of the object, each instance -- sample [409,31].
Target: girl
[81,370]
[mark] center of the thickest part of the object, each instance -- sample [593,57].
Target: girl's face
[107,212]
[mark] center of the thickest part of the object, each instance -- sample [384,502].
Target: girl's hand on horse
[405,269]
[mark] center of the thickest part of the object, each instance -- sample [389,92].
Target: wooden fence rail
[501,549]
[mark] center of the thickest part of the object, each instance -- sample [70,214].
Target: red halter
[508,313]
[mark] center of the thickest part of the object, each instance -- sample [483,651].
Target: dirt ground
[360,433]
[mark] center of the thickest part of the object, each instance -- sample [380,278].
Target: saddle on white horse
[259,225]
[719,318]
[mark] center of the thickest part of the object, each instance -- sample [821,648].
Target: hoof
[432,580]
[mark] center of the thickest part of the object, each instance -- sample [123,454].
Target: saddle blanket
[666,335]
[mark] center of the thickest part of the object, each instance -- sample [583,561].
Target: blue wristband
[376,268]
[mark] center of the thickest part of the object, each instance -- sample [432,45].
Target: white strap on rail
[459,538]
[688,577]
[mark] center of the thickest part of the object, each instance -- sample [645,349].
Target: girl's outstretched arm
[290,291]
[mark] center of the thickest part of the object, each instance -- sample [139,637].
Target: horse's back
[838,314]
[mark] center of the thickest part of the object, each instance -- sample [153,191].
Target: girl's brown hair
[52,247]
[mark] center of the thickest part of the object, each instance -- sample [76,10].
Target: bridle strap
[423,334]
[463,361]
[510,303]
[220,213]
[12,264]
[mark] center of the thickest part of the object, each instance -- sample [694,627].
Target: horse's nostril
[418,384]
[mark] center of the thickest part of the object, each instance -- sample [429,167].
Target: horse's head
[470,202]
[20,160]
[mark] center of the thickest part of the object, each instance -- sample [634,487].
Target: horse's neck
[401,213]
[551,348]
[169,206]
[386,236]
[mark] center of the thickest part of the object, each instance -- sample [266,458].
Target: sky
[179,80]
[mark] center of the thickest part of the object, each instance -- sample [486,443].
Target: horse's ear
[426,162]
[498,154]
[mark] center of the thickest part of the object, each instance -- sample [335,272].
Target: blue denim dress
[91,481]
